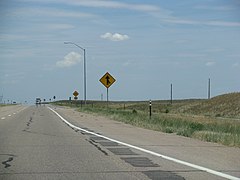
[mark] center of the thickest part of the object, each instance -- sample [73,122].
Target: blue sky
[144,45]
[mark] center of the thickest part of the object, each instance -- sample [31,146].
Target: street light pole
[85,76]
[84,70]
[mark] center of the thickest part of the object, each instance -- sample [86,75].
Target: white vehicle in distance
[38,101]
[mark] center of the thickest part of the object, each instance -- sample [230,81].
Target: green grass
[3,105]
[226,132]
[206,128]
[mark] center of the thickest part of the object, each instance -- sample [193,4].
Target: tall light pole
[209,88]
[84,70]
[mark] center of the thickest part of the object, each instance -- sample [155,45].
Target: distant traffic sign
[75,93]
[107,80]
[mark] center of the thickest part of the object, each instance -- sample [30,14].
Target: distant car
[38,101]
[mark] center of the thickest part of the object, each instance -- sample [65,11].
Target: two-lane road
[35,143]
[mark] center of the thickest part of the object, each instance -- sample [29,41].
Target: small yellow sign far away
[107,80]
[75,93]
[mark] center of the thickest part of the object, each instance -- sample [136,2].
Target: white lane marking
[201,168]
[14,113]
[9,115]
[3,118]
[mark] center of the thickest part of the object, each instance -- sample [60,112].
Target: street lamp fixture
[84,70]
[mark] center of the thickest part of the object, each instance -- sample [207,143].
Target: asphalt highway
[36,143]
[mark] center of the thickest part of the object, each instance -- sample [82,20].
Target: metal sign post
[107,95]
[107,98]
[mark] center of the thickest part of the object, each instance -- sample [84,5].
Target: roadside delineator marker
[150,108]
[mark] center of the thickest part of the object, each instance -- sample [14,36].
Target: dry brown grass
[214,120]
[227,105]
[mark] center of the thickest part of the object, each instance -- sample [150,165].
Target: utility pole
[209,88]
[171,93]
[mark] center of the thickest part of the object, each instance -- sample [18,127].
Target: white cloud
[222,23]
[12,37]
[164,15]
[181,41]
[126,63]
[118,4]
[210,63]
[174,20]
[214,50]
[234,55]
[236,64]
[189,55]
[115,37]
[50,12]
[102,4]
[57,26]
[215,8]
[69,60]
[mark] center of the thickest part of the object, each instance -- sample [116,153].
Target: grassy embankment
[3,105]
[213,120]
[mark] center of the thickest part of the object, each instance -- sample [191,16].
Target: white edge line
[151,152]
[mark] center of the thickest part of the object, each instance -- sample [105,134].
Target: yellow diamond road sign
[75,93]
[107,80]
